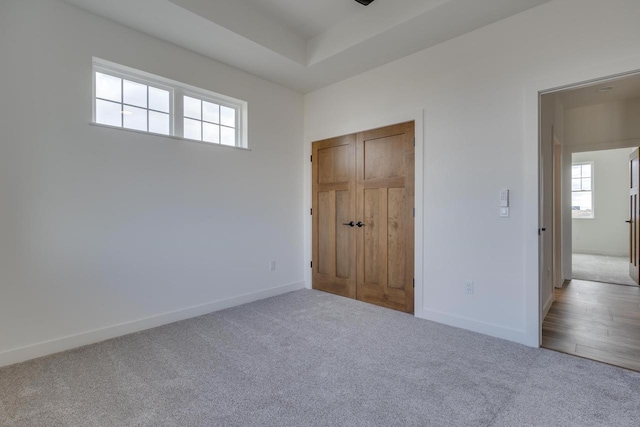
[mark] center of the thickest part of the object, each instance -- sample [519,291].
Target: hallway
[602,268]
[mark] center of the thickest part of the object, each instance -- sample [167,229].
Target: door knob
[350,223]
[360,224]
[628,221]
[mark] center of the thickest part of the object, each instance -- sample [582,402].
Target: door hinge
[414,283]
[311,158]
[311,264]
[414,141]
[414,212]
[311,211]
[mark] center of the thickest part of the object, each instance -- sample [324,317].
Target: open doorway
[588,221]
[600,216]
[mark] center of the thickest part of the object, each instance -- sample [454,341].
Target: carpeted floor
[309,358]
[602,268]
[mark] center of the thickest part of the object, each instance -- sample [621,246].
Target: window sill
[168,136]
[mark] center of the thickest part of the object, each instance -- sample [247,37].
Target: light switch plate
[504,198]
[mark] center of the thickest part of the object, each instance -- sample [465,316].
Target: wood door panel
[326,228]
[398,181]
[333,204]
[344,234]
[384,183]
[383,158]
[396,236]
[333,165]
[372,244]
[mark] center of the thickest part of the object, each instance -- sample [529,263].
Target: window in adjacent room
[132,99]
[582,190]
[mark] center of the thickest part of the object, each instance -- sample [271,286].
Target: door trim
[531,170]
[417,116]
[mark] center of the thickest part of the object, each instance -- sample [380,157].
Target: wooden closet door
[385,202]
[334,205]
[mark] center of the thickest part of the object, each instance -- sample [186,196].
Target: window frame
[592,191]
[110,71]
[222,103]
[177,91]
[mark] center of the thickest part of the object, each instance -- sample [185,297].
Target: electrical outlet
[272,266]
[468,287]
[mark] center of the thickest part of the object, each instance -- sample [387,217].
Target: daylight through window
[132,99]
[582,190]
[128,104]
[209,122]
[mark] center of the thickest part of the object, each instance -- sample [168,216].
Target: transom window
[128,104]
[132,99]
[582,190]
[209,122]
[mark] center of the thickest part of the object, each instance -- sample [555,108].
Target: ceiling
[622,88]
[307,19]
[305,44]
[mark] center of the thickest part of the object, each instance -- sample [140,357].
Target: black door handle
[360,224]
[350,223]
[628,221]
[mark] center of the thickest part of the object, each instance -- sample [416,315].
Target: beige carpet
[602,268]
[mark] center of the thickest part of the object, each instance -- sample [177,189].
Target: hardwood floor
[596,321]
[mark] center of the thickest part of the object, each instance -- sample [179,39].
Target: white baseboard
[485,328]
[547,305]
[21,354]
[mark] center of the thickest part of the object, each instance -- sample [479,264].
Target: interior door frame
[533,192]
[633,215]
[417,116]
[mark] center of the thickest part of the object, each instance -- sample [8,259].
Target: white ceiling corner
[305,44]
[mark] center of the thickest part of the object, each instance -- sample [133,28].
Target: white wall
[479,136]
[608,123]
[606,233]
[101,227]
